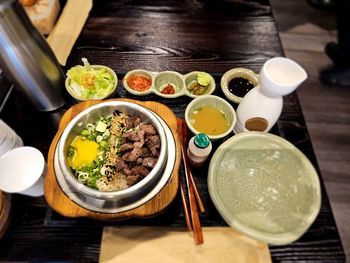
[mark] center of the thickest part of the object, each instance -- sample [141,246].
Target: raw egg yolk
[85,152]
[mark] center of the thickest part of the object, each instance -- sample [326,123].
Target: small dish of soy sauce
[237,82]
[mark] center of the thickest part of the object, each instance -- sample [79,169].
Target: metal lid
[201,140]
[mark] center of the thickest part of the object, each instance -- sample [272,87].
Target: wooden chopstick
[183,137]
[182,191]
[184,203]
[196,193]
[196,224]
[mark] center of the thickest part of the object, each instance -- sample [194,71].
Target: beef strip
[149,162]
[139,144]
[127,171]
[129,123]
[126,147]
[149,129]
[140,147]
[133,155]
[133,179]
[136,120]
[125,156]
[135,135]
[140,170]
[131,136]
[141,134]
[119,164]
[153,143]
[132,164]
[145,152]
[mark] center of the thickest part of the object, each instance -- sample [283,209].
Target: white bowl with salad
[89,82]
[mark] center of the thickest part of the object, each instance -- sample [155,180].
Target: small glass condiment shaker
[199,148]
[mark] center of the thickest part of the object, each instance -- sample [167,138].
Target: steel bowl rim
[144,183]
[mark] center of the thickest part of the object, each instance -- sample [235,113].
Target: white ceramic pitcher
[261,107]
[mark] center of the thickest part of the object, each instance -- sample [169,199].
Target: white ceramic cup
[22,171]
[280,76]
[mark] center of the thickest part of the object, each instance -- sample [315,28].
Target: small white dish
[143,75]
[167,84]
[216,102]
[169,79]
[22,171]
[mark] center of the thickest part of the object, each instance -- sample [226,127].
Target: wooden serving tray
[58,200]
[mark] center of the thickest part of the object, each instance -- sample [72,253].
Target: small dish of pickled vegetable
[199,83]
[168,84]
[86,82]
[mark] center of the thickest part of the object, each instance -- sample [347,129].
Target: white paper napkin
[68,28]
[160,244]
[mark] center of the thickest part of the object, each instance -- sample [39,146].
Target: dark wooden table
[212,36]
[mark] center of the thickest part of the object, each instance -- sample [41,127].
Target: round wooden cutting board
[59,201]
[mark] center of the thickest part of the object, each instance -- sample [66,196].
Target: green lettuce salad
[90,83]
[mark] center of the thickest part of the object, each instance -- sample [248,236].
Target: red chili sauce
[169,89]
[139,82]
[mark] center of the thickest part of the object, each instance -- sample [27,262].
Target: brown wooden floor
[304,32]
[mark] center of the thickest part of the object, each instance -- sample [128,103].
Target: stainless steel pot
[92,114]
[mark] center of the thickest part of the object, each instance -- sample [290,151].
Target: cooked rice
[114,182]
[116,130]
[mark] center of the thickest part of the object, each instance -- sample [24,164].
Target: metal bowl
[92,114]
